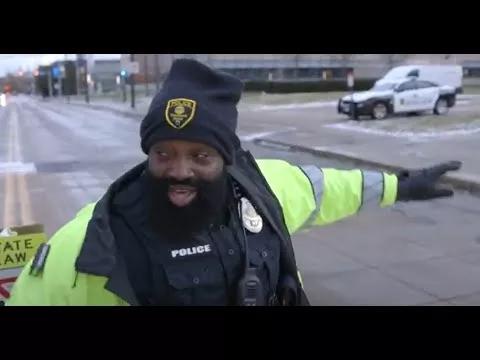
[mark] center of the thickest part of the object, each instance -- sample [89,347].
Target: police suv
[394,96]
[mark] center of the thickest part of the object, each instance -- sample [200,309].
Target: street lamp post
[49,79]
[350,85]
[124,88]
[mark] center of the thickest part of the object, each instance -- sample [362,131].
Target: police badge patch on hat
[252,221]
[180,112]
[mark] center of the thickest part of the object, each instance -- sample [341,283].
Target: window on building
[289,73]
[309,73]
[472,72]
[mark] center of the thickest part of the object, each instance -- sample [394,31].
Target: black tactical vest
[272,249]
[246,172]
[202,271]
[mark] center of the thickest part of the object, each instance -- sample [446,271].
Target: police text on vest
[191,251]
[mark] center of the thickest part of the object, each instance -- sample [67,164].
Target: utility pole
[132,83]
[146,77]
[124,88]
[87,95]
[64,74]
[50,87]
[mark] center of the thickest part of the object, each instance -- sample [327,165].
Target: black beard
[181,223]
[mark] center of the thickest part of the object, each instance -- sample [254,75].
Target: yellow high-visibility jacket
[308,196]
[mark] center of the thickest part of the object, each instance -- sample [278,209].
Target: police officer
[201,222]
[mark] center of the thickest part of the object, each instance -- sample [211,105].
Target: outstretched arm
[310,195]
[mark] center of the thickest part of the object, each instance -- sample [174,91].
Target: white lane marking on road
[17,167]
[308,105]
[312,105]
[267,144]
[260,135]
[404,134]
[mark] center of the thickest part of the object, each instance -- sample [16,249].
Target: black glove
[422,184]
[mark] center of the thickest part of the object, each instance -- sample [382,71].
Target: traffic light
[56,72]
[123,73]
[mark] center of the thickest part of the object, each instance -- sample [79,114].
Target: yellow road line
[22,187]
[16,184]
[9,202]
[26,206]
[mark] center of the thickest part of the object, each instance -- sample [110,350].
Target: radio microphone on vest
[250,290]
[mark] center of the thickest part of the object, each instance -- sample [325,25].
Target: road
[56,157]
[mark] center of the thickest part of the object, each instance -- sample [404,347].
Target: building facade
[306,66]
[105,75]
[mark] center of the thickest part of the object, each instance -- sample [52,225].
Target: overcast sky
[15,62]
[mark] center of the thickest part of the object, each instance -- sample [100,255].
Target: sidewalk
[248,102]
[124,108]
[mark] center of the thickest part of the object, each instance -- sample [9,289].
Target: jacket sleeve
[53,286]
[310,195]
[30,291]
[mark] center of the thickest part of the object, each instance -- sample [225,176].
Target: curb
[113,110]
[460,181]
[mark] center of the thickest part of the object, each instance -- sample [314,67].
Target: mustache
[203,187]
[187,182]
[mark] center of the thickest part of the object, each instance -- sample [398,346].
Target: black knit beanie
[195,103]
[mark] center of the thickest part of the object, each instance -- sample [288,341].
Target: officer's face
[187,163]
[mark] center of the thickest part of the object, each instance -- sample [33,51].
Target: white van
[451,75]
